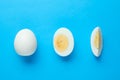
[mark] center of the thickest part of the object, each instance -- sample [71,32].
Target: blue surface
[44,17]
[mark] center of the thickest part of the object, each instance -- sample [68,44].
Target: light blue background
[44,17]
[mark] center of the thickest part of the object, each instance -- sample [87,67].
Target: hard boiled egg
[96,41]
[25,42]
[63,42]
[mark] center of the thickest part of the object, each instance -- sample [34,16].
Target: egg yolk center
[97,40]
[61,42]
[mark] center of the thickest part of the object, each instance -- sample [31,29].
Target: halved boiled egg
[63,42]
[96,41]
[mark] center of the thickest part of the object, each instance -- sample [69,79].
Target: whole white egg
[25,42]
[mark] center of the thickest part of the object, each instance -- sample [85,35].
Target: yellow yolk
[97,40]
[61,42]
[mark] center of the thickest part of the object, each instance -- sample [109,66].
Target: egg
[63,42]
[96,41]
[25,43]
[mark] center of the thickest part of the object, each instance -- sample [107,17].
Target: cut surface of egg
[96,41]
[25,42]
[63,42]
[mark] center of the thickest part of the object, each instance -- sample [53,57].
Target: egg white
[68,34]
[96,52]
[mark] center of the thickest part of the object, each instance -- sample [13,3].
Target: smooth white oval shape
[96,41]
[25,42]
[63,42]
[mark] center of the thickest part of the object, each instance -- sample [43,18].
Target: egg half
[63,42]
[96,41]
[25,42]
